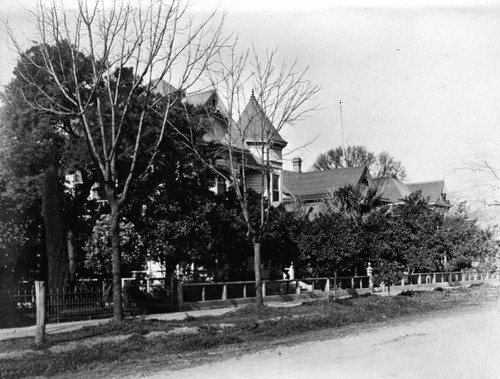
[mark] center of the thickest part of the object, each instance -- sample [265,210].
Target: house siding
[254,182]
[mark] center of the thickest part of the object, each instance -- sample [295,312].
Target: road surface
[464,345]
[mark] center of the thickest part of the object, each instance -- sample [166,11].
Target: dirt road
[459,345]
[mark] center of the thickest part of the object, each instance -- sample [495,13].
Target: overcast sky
[419,81]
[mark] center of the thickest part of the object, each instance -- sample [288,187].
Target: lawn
[138,345]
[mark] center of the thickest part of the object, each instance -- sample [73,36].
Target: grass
[249,327]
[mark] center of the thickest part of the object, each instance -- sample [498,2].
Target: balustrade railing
[201,292]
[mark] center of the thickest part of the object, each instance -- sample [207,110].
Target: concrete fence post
[40,312]
[327,285]
[419,281]
[244,291]
[203,293]
[297,287]
[224,292]
[352,283]
[263,289]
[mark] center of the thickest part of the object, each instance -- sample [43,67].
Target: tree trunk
[258,272]
[116,262]
[54,230]
[72,257]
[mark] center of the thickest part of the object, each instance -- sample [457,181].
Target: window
[276,188]
[221,186]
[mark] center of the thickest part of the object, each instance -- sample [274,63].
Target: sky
[418,79]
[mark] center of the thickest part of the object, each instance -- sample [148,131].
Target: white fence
[194,295]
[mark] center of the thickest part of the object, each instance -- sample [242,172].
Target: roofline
[337,169]
[200,92]
[254,142]
[430,181]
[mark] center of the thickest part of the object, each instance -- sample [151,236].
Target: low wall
[305,296]
[328,290]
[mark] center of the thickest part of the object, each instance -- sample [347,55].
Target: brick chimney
[297,165]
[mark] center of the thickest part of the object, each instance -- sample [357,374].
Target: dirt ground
[464,344]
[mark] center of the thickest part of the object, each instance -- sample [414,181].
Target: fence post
[40,312]
[352,283]
[419,281]
[224,291]
[297,287]
[180,295]
[327,285]
[263,289]
[244,291]
[203,293]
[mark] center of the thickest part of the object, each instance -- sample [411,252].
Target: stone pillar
[369,272]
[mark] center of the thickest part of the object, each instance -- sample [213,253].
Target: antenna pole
[344,152]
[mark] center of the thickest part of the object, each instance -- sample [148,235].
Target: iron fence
[88,300]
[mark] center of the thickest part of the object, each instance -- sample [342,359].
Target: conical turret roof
[257,126]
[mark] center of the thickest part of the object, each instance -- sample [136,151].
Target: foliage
[380,165]
[13,237]
[464,244]
[412,237]
[353,201]
[97,248]
[327,245]
[34,141]
[401,241]
[106,79]
[279,248]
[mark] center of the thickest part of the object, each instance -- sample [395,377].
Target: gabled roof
[209,98]
[253,120]
[433,191]
[200,98]
[163,88]
[316,184]
[393,190]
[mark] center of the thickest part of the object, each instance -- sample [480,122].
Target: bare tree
[381,166]
[250,148]
[121,51]
[483,173]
